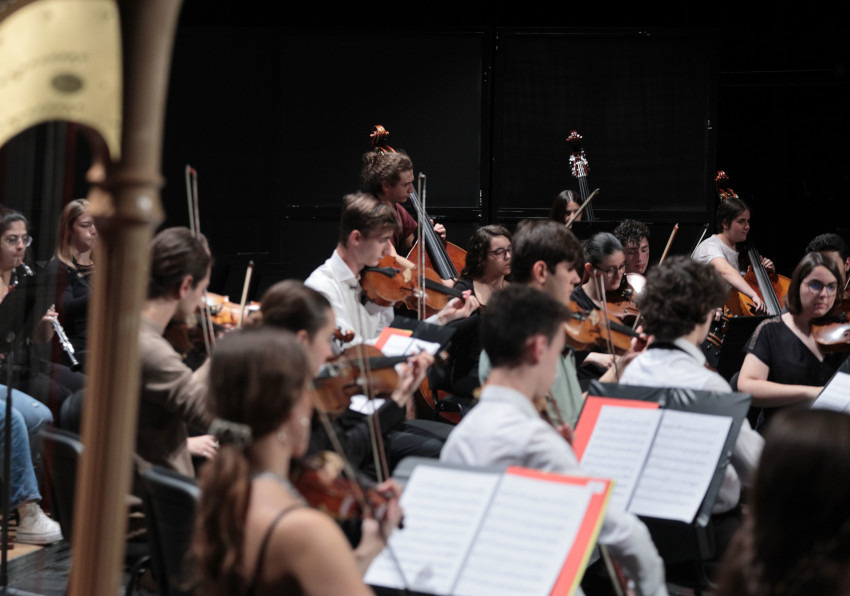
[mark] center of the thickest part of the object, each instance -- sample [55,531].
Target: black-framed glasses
[14,239]
[612,271]
[500,253]
[818,286]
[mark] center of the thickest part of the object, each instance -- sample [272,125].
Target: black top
[72,299]
[790,361]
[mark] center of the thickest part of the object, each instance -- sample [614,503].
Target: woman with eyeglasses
[604,268]
[72,266]
[486,271]
[50,383]
[784,365]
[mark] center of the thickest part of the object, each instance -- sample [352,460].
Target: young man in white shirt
[522,333]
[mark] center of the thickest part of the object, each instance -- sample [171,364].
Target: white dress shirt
[336,282]
[505,429]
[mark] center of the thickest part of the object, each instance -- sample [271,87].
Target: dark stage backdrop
[643,104]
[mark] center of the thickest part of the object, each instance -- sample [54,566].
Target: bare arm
[734,279]
[767,394]
[308,545]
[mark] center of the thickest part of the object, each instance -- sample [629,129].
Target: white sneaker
[35,527]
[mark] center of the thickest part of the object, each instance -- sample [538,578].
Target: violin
[318,480]
[588,329]
[832,332]
[622,302]
[229,314]
[443,257]
[360,369]
[390,285]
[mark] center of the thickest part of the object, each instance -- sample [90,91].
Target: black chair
[62,452]
[169,501]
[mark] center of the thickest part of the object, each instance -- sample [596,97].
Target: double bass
[445,258]
[771,288]
[579,168]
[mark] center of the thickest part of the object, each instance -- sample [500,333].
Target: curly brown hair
[678,295]
[383,167]
[256,377]
[479,246]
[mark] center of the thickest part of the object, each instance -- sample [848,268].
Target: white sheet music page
[680,466]
[618,448]
[525,538]
[836,395]
[443,509]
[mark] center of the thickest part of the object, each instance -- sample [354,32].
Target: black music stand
[678,542]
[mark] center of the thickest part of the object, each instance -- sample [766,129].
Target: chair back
[169,500]
[62,451]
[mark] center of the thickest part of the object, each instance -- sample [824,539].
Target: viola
[588,329]
[360,369]
[390,285]
[443,257]
[318,480]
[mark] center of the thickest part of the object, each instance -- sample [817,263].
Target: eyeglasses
[500,253]
[612,271]
[14,239]
[818,286]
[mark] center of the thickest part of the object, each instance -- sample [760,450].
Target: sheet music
[401,345]
[619,447]
[836,395]
[529,531]
[680,466]
[364,405]
[443,511]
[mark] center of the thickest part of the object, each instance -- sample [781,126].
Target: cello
[445,258]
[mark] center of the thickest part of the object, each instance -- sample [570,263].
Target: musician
[172,397]
[605,262]
[522,334]
[784,365]
[634,236]
[389,176]
[794,540]
[254,533]
[488,265]
[28,418]
[834,247]
[733,226]
[293,306]
[72,266]
[566,203]
[677,307]
[50,383]
[545,256]
[366,232]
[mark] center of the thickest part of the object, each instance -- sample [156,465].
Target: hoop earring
[281,436]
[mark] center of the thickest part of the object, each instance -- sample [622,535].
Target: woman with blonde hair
[72,265]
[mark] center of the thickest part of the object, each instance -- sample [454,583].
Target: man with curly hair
[677,306]
[634,236]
